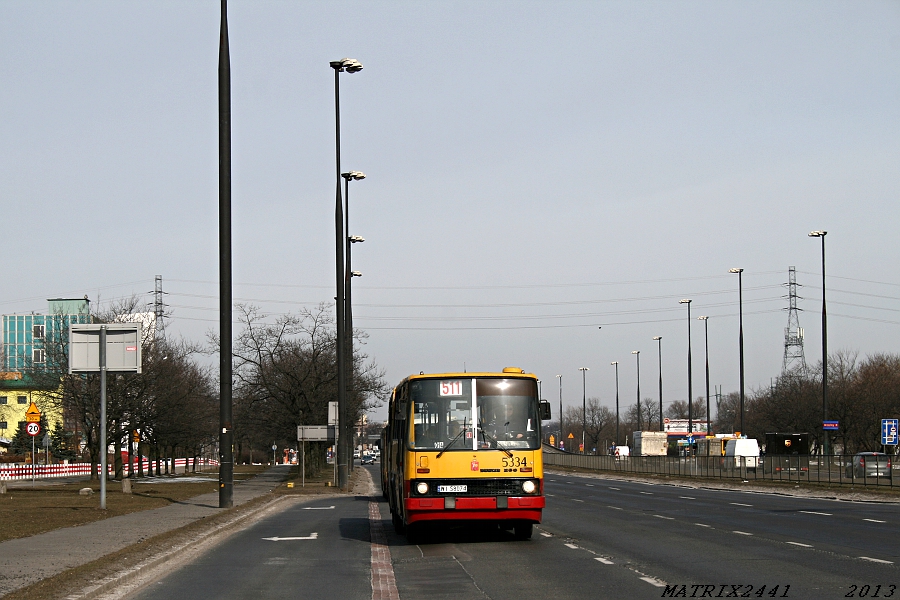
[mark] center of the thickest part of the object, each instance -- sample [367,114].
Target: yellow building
[16,395]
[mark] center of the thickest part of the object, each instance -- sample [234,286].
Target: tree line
[284,376]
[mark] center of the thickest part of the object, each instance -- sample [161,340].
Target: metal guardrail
[803,469]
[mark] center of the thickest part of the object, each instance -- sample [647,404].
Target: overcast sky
[535,170]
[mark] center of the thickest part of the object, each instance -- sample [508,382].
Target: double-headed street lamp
[658,340]
[637,354]
[741,336]
[690,376]
[616,363]
[583,407]
[821,234]
[705,320]
[348,65]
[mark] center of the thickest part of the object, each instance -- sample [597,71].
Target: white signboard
[315,433]
[123,347]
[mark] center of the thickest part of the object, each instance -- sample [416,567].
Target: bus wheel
[397,522]
[523,531]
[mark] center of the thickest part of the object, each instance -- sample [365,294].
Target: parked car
[869,464]
[368,459]
[356,454]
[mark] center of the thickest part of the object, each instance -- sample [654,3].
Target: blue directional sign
[889,432]
[830,425]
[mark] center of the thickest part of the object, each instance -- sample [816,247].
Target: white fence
[11,472]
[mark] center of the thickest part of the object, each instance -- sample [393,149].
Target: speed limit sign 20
[33,428]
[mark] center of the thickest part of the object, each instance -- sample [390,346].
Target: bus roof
[506,372]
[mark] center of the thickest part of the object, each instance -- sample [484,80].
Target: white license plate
[452,489]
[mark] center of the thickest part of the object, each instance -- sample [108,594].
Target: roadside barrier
[14,472]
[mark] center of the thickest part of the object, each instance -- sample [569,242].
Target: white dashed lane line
[604,561]
[874,521]
[572,546]
[741,532]
[577,500]
[617,489]
[703,525]
[812,512]
[647,493]
[739,504]
[662,517]
[654,582]
[687,497]
[878,560]
[799,544]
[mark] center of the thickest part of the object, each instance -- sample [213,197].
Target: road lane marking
[615,507]
[739,504]
[799,544]
[312,536]
[812,512]
[662,517]
[572,546]
[604,561]
[878,560]
[874,521]
[384,584]
[648,493]
[742,532]
[617,489]
[703,525]
[318,507]
[589,484]
[546,534]
[577,500]
[687,498]
[653,581]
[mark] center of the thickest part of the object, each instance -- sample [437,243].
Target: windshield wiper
[456,437]
[493,439]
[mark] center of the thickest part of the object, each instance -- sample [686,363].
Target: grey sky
[535,170]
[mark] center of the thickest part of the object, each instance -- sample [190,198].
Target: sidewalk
[28,560]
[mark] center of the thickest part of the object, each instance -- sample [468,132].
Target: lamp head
[657,337]
[635,351]
[353,175]
[350,65]
[817,233]
[684,301]
[355,273]
[356,238]
[702,318]
[735,270]
[615,362]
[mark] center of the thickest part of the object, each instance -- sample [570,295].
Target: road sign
[830,425]
[123,347]
[315,433]
[32,415]
[33,429]
[552,440]
[571,437]
[889,432]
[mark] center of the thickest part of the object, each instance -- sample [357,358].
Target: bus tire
[523,531]
[397,521]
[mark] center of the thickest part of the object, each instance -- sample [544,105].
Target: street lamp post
[349,274]
[559,442]
[658,339]
[583,408]
[350,66]
[616,363]
[637,354]
[741,336]
[825,448]
[690,378]
[705,320]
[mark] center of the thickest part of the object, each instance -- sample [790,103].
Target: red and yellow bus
[465,447]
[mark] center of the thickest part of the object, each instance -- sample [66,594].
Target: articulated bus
[465,447]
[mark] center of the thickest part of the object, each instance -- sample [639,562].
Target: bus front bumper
[492,508]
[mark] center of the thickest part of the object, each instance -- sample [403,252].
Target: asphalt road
[601,538]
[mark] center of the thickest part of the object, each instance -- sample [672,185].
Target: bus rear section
[466,447]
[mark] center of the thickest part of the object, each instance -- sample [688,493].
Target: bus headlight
[422,488]
[528,487]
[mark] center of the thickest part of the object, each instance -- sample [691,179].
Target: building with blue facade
[27,338]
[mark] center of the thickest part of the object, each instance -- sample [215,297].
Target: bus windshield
[501,413]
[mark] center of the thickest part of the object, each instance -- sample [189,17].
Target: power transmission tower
[159,309]
[794,359]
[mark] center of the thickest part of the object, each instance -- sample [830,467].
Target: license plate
[452,489]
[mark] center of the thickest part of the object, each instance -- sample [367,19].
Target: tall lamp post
[825,448]
[705,320]
[616,363]
[348,65]
[637,354]
[583,408]
[658,340]
[559,442]
[690,378]
[741,336]
[349,274]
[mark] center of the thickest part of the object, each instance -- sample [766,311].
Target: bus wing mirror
[545,410]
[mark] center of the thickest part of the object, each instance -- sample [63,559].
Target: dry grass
[26,511]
